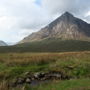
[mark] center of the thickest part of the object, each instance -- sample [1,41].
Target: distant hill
[66,27]
[2,43]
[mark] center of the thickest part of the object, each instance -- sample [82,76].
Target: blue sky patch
[38,2]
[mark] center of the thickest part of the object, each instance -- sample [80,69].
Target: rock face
[65,27]
[2,43]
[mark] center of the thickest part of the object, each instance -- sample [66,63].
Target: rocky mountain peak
[66,17]
[67,14]
[64,27]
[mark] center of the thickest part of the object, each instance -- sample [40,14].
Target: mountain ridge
[64,27]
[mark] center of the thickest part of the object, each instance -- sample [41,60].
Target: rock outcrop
[38,77]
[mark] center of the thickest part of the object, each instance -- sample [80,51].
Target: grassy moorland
[73,64]
[83,84]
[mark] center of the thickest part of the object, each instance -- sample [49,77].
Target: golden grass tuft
[34,58]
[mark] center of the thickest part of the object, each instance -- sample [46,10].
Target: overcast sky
[19,18]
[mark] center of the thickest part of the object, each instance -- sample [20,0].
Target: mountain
[2,43]
[66,27]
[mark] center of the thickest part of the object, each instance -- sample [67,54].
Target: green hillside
[49,45]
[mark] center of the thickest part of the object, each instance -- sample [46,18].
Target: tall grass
[13,65]
[35,58]
[4,85]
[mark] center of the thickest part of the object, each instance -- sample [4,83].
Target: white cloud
[18,16]
[59,6]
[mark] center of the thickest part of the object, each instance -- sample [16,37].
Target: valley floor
[75,65]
